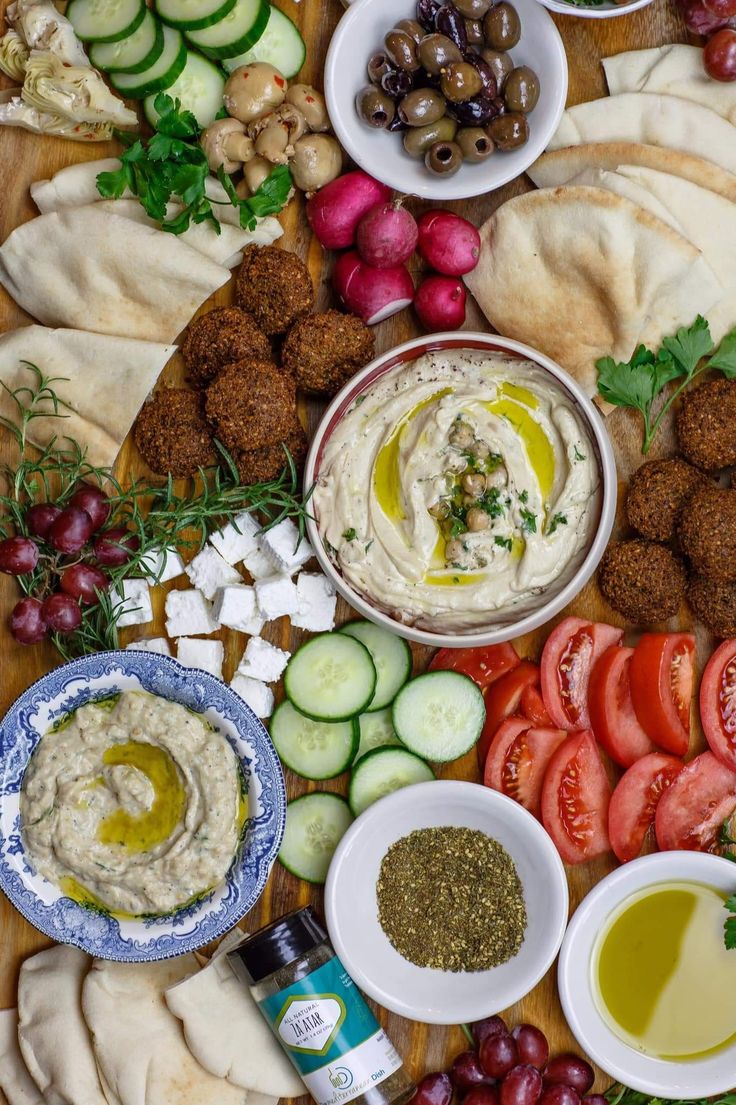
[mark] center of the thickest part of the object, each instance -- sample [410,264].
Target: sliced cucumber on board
[391,656]
[376,731]
[330,678]
[281,45]
[383,771]
[105,20]
[315,825]
[133,54]
[313,749]
[159,76]
[439,715]
[193,15]
[237,31]
[199,87]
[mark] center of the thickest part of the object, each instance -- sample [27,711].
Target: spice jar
[318,1014]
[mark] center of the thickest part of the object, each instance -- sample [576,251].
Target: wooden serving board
[26,157]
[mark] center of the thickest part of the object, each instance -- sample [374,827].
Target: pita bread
[52,1035]
[676,70]
[104,379]
[88,270]
[561,166]
[15,1081]
[139,1044]
[228,1034]
[658,120]
[580,274]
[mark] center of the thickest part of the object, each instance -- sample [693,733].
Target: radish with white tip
[449,243]
[373,294]
[335,210]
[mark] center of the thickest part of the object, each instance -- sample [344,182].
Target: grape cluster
[716,21]
[67,543]
[510,1068]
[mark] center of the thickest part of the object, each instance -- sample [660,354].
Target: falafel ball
[275,287]
[257,465]
[324,351]
[642,580]
[251,404]
[706,425]
[707,531]
[657,492]
[219,338]
[714,603]
[172,434]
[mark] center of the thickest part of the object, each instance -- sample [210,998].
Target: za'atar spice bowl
[351,903]
[551,599]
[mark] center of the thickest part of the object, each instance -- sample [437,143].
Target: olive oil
[663,979]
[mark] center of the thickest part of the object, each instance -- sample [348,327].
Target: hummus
[458,488]
[132,805]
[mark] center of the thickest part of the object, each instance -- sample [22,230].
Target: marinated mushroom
[317,160]
[255,172]
[226,145]
[312,105]
[274,135]
[254,90]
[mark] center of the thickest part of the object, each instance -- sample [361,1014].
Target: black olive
[444,157]
[427,12]
[473,113]
[450,22]
[397,82]
[486,74]
[375,107]
[397,124]
[378,64]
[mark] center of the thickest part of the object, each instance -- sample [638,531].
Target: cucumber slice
[237,31]
[313,749]
[376,731]
[159,76]
[330,678]
[383,771]
[193,15]
[391,656]
[199,87]
[134,54]
[281,45]
[105,20]
[315,825]
[439,715]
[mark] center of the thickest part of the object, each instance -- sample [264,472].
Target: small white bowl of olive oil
[647,984]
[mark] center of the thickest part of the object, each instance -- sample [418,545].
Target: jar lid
[279,943]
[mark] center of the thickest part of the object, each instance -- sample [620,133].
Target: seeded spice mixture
[451,898]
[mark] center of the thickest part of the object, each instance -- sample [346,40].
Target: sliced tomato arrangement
[718,703]
[568,658]
[533,707]
[483,665]
[692,810]
[635,799]
[575,798]
[502,700]
[613,720]
[661,678]
[517,761]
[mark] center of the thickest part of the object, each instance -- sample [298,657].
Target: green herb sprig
[621,1095]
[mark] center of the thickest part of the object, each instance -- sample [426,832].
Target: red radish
[440,303]
[386,236]
[335,211]
[449,244]
[374,294]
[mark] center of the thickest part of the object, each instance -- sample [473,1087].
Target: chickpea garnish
[474,484]
[477,519]
[440,509]
[461,435]
[454,551]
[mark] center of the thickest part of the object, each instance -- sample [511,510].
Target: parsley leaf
[729,933]
[528,521]
[578,455]
[689,345]
[524,497]
[503,542]
[725,358]
[558,520]
[349,535]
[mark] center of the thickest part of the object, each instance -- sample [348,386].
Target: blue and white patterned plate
[96,677]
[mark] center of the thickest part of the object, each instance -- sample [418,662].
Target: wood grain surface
[24,158]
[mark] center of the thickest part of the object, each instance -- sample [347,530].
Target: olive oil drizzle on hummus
[387,469]
[143,831]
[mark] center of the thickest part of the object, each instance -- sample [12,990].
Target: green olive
[500,63]
[416,30]
[402,50]
[460,82]
[472,9]
[509,131]
[422,105]
[436,52]
[474,31]
[474,143]
[378,65]
[502,27]
[521,90]
[418,140]
[375,107]
[444,157]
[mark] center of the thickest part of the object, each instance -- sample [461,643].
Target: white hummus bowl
[139,939]
[545,605]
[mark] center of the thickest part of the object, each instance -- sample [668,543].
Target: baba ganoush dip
[457,488]
[132,804]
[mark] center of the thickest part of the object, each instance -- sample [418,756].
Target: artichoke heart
[15,113]
[77,92]
[43,27]
[13,55]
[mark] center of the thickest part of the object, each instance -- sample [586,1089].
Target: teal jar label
[330,1035]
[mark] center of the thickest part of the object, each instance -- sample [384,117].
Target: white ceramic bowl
[609,10]
[360,33]
[422,993]
[552,600]
[658,1077]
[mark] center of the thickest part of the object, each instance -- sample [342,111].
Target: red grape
[467,1072]
[115,547]
[559,1095]
[94,501]
[433,1089]
[719,56]
[532,1045]
[699,20]
[521,1086]
[27,623]
[18,555]
[80,582]
[595,1099]
[498,1054]
[481,1095]
[569,1070]
[724,9]
[62,613]
[491,1026]
[40,517]
[71,531]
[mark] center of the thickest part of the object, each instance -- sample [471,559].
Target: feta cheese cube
[280,543]
[263,661]
[162,565]
[209,572]
[254,693]
[135,598]
[237,538]
[151,644]
[194,653]
[316,603]
[235,606]
[187,613]
[276,596]
[258,563]
[254,626]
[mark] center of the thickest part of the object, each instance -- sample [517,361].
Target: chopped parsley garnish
[729,925]
[558,520]
[349,535]
[528,521]
[578,454]
[491,503]
[503,543]
[524,497]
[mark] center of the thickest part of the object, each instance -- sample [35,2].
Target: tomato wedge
[568,658]
[575,798]
[532,706]
[718,703]
[612,716]
[517,761]
[634,802]
[661,680]
[483,665]
[693,809]
[502,700]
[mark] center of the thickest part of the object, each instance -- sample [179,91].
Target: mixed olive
[447,82]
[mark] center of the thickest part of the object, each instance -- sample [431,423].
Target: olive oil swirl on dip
[457,488]
[132,805]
